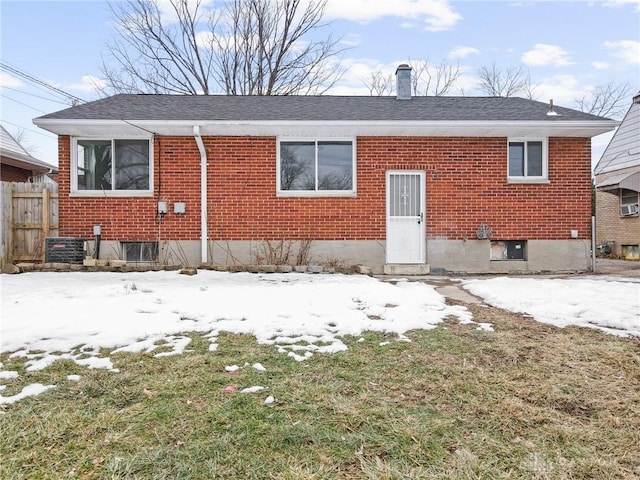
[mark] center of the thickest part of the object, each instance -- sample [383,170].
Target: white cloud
[357,73]
[626,50]
[7,80]
[620,3]
[88,83]
[168,13]
[351,40]
[563,89]
[463,52]
[543,55]
[600,65]
[436,14]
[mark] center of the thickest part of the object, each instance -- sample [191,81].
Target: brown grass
[528,401]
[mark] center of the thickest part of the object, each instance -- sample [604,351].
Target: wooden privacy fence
[29,216]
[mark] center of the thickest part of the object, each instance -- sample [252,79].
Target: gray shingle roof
[313,108]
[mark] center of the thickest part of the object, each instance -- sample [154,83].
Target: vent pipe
[403,82]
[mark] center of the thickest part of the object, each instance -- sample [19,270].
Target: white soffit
[554,128]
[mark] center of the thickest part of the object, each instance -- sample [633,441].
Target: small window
[140,252]
[527,160]
[630,252]
[112,165]
[628,203]
[509,250]
[317,167]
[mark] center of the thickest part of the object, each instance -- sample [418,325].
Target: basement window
[527,161]
[630,252]
[140,252]
[316,167]
[509,250]
[111,166]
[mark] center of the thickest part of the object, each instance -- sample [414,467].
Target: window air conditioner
[630,209]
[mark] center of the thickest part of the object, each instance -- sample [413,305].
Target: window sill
[316,194]
[110,194]
[534,181]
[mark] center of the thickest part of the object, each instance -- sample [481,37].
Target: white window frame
[75,192]
[544,178]
[317,193]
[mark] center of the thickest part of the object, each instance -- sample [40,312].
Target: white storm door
[405,217]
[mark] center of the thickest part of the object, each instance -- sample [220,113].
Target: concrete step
[406,269]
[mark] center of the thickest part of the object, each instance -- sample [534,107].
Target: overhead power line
[37,81]
[48,99]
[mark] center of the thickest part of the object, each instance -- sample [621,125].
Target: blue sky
[568,47]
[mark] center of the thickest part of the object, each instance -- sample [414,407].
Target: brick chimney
[403,82]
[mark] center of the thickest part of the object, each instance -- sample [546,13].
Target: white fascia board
[550,128]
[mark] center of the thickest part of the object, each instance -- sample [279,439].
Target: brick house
[617,178]
[399,184]
[17,165]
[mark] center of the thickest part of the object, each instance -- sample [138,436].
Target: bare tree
[495,82]
[248,47]
[21,136]
[608,100]
[431,79]
[151,56]
[266,49]
[426,79]
[380,84]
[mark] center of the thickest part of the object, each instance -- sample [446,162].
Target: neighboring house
[460,184]
[17,165]
[617,178]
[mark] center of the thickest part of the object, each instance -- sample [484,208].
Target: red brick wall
[9,173]
[466,186]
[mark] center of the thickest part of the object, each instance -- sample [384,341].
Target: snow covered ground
[604,303]
[52,316]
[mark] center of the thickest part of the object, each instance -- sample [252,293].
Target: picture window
[112,165]
[316,167]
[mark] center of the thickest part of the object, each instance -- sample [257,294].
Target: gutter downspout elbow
[203,194]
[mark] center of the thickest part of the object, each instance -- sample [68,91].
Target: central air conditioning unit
[64,250]
[630,209]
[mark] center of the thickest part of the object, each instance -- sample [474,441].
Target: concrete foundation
[443,256]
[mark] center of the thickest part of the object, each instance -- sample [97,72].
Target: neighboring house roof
[315,115]
[623,150]
[14,154]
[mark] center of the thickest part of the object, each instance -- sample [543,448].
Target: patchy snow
[601,303]
[255,389]
[79,316]
[28,391]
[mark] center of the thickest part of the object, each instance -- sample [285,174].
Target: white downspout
[203,194]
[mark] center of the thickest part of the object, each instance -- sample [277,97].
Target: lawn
[526,401]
